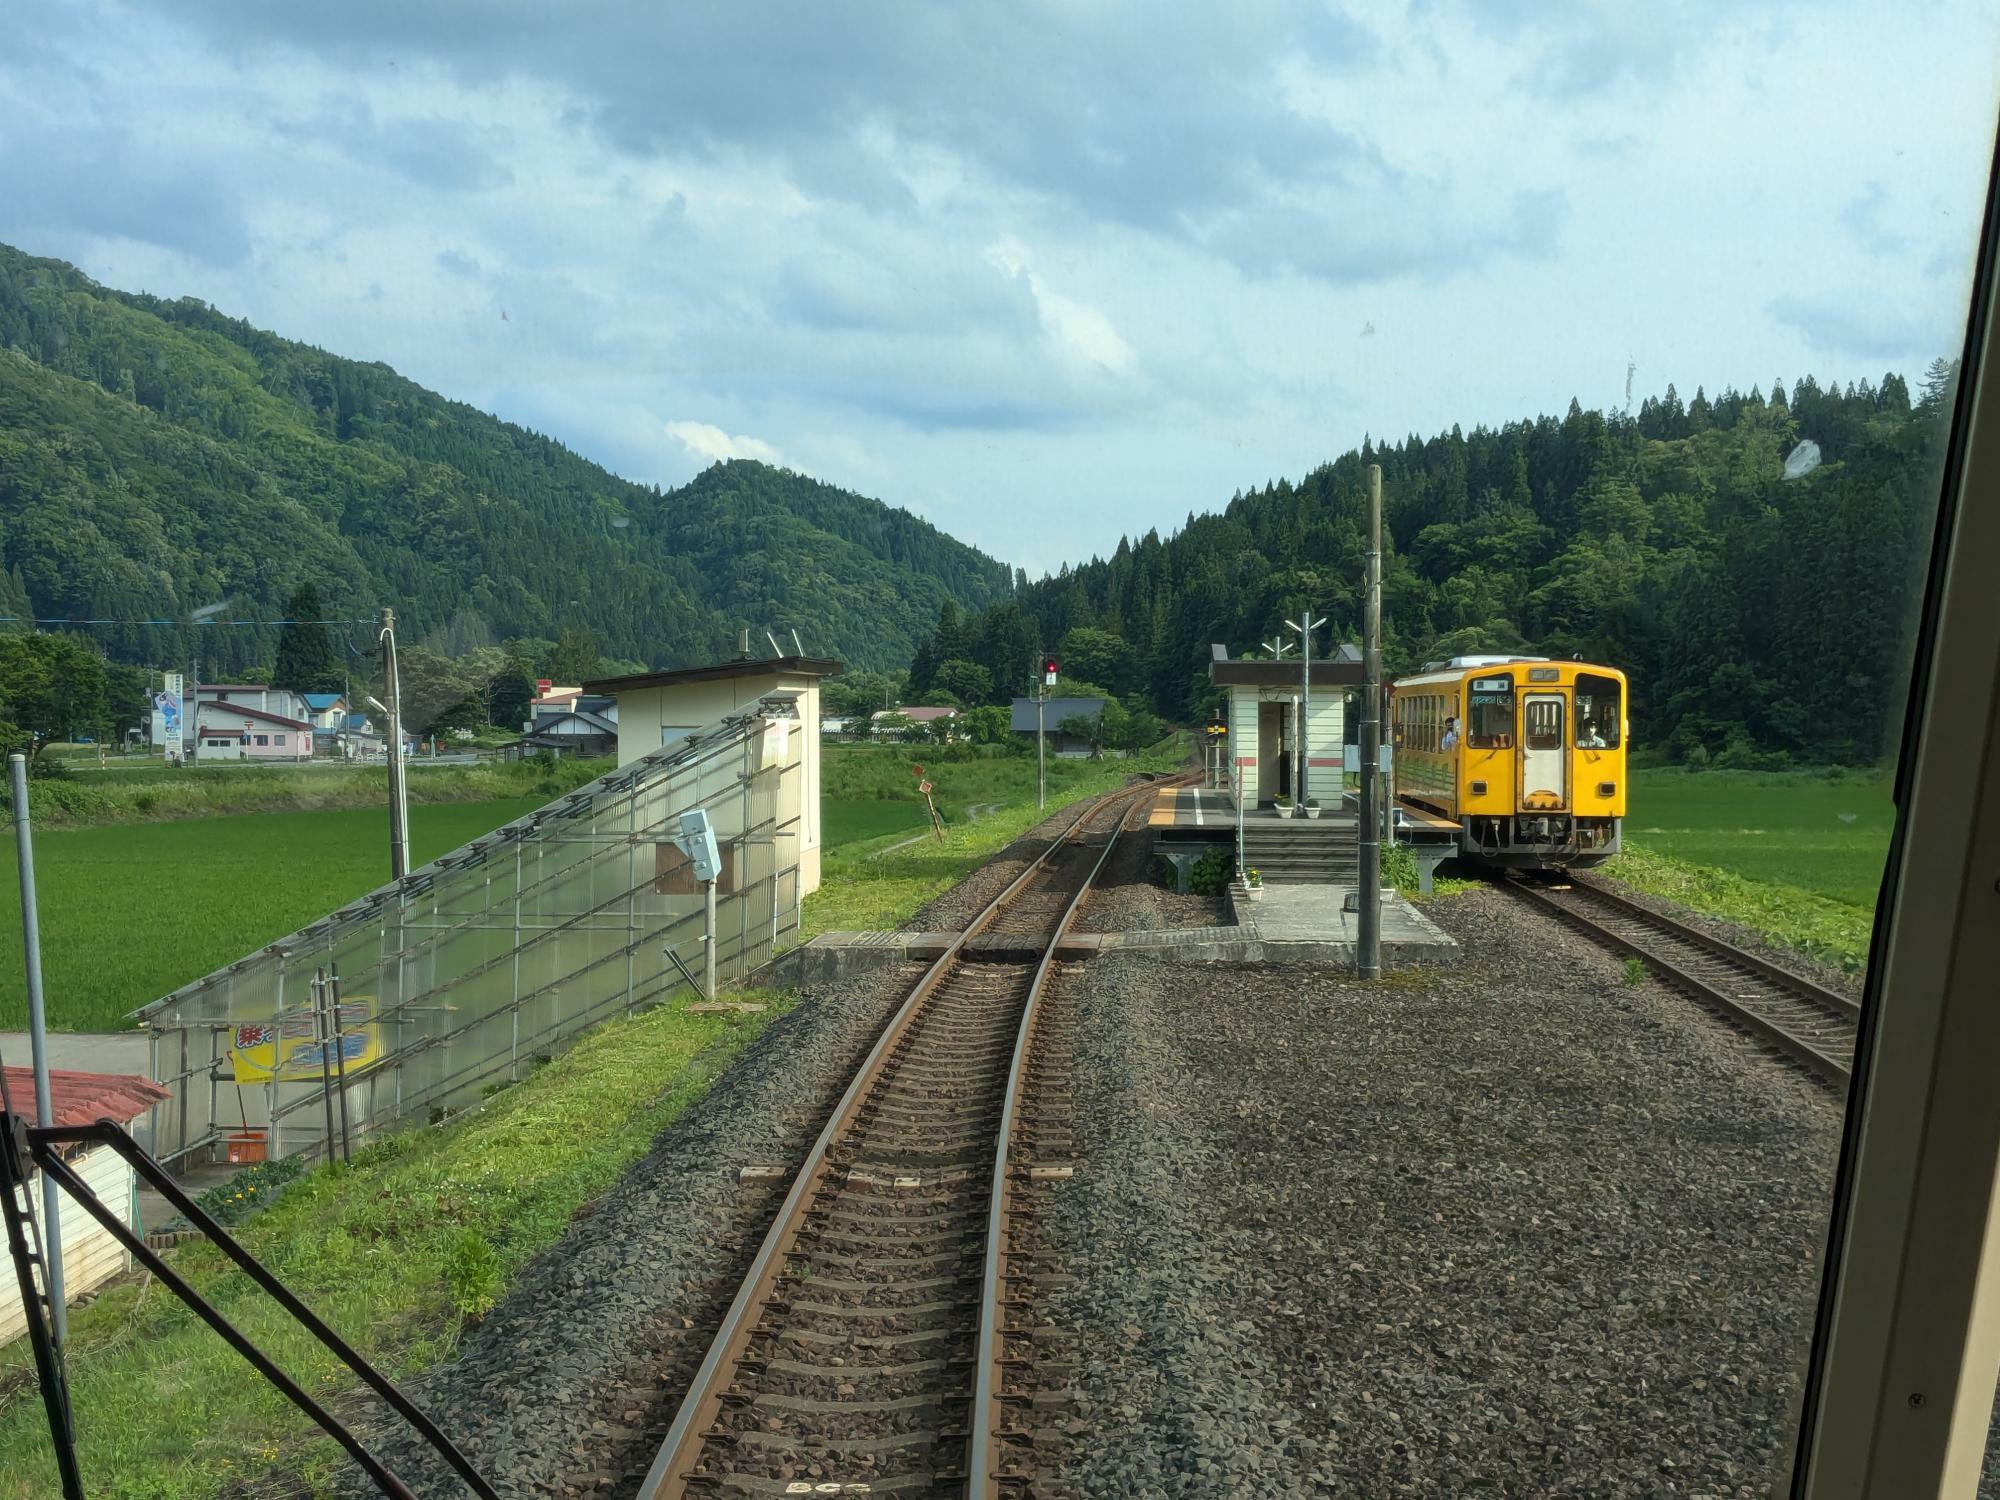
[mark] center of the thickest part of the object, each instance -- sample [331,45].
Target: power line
[191,624]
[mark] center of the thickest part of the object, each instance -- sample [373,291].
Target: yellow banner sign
[291,1050]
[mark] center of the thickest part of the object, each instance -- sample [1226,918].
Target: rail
[958,1005]
[1804,1021]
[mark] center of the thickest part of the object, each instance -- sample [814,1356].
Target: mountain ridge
[157,455]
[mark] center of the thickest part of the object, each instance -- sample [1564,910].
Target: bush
[472,1276]
[256,1186]
[1211,872]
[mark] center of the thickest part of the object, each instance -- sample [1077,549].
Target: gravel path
[1509,1228]
[1128,896]
[569,1385]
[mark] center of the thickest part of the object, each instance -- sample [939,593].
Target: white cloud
[1046,273]
[1078,333]
[708,442]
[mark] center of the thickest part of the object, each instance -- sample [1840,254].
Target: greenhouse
[434,989]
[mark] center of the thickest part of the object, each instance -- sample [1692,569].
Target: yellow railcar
[1526,755]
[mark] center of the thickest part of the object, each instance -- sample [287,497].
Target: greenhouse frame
[431,991]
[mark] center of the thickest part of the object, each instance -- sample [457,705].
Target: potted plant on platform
[1253,884]
[1283,806]
[1312,807]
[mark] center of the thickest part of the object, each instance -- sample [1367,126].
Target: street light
[1305,625]
[399,804]
[191,697]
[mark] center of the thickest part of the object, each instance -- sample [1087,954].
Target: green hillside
[156,456]
[1765,615]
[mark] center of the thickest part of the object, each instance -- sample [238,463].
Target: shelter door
[1544,766]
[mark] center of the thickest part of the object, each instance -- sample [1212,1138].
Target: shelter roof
[1342,669]
[83,1098]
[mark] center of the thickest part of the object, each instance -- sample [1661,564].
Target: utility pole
[38,1048]
[399,807]
[1368,950]
[1051,669]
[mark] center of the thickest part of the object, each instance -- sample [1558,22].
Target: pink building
[235,731]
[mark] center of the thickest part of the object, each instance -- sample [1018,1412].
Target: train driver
[1587,736]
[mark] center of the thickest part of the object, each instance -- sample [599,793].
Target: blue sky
[1043,272]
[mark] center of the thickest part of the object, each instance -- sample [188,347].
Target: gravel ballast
[1513,1227]
[569,1385]
[1129,895]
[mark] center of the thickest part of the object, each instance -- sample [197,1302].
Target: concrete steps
[1302,851]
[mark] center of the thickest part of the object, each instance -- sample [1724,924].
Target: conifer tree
[307,662]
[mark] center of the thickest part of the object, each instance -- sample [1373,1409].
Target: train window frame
[1474,690]
[1587,687]
[1899,1389]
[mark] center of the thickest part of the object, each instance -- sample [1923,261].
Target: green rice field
[1797,856]
[848,821]
[1822,834]
[133,911]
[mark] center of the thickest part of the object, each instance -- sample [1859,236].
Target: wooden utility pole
[1368,950]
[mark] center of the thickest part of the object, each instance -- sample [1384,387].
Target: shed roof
[82,1098]
[745,666]
[1054,710]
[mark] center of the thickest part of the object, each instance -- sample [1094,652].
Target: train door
[1544,763]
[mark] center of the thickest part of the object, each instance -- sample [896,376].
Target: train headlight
[1607,788]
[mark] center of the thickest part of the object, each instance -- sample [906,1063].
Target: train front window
[1490,716]
[1544,729]
[1597,712]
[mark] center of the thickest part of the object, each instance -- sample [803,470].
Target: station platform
[1187,821]
[1301,924]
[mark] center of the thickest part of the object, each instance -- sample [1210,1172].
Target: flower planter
[1253,893]
[1311,811]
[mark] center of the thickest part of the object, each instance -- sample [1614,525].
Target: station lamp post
[1305,625]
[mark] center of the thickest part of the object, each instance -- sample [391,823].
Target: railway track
[868,1350]
[1805,1022]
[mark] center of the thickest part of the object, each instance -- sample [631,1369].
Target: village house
[1055,713]
[235,731]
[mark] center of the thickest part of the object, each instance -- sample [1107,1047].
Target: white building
[657,708]
[1266,701]
[236,731]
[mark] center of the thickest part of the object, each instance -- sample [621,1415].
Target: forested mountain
[157,456]
[1760,616]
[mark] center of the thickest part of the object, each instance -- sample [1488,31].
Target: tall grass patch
[400,1252]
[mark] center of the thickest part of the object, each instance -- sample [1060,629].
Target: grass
[398,1252]
[866,886]
[1831,931]
[1795,856]
[130,913]
[145,791]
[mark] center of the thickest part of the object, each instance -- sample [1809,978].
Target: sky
[1046,272]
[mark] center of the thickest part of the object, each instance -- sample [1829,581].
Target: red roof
[243,711]
[84,1098]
